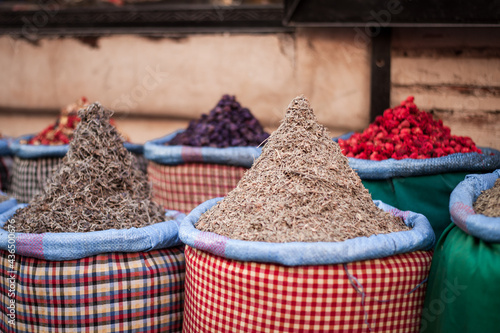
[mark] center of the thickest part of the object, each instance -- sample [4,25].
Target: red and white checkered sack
[183,187]
[378,295]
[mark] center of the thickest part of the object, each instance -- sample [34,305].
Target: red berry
[404,123]
[416,130]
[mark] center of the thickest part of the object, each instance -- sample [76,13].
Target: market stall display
[466,265]
[411,161]
[94,224]
[207,159]
[299,245]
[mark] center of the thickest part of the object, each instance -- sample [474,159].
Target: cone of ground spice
[488,202]
[300,189]
[97,186]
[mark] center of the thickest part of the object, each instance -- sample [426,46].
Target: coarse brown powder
[488,202]
[300,189]
[97,187]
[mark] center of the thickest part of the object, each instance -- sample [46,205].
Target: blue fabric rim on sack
[408,167]
[156,151]
[462,213]
[420,237]
[38,151]
[7,204]
[73,245]
[5,147]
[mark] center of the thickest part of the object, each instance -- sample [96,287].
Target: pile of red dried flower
[405,132]
[61,132]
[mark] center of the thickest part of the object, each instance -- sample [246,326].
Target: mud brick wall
[455,73]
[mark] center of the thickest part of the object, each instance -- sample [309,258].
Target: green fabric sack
[463,293]
[428,195]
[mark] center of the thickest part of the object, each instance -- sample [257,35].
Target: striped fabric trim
[30,175]
[112,292]
[232,296]
[185,186]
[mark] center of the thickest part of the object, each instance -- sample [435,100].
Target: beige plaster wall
[157,85]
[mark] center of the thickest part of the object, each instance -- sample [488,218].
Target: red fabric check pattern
[183,187]
[224,295]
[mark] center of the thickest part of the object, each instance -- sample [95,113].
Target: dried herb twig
[97,186]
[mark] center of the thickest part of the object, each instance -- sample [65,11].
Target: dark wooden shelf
[375,19]
[392,13]
[140,18]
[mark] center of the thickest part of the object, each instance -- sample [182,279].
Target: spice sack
[92,251]
[411,161]
[463,284]
[300,246]
[207,159]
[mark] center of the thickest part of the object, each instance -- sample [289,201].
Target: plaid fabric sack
[183,177]
[183,187]
[34,165]
[107,281]
[30,175]
[359,285]
[379,295]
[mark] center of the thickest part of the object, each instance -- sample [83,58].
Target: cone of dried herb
[97,186]
[488,202]
[300,189]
